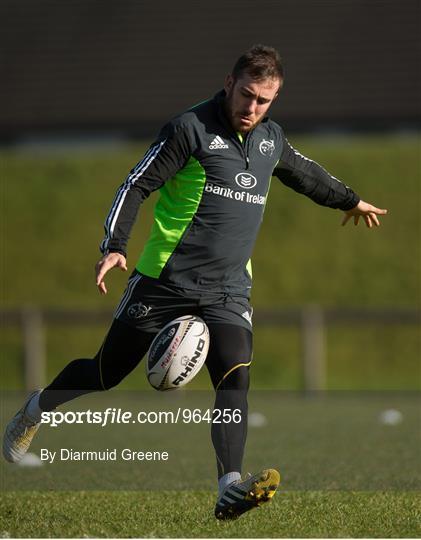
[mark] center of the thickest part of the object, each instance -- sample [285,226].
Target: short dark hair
[260,62]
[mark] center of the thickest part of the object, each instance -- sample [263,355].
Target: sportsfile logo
[217,143]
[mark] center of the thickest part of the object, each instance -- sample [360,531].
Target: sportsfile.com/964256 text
[118,416]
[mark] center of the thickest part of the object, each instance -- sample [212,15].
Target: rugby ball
[177,353]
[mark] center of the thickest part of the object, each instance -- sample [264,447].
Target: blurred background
[85,87]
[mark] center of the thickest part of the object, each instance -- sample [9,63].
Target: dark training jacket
[213,191]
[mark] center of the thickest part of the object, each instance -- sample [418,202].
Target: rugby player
[212,165]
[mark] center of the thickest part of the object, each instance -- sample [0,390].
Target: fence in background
[311,320]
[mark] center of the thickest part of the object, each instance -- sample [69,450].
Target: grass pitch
[302,256]
[189,514]
[344,474]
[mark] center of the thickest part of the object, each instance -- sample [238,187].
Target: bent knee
[237,378]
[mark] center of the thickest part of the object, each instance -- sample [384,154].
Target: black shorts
[148,304]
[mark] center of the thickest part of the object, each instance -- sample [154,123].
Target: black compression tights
[123,349]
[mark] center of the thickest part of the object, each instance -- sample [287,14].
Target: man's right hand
[111,260]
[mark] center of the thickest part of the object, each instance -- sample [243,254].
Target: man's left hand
[367,211]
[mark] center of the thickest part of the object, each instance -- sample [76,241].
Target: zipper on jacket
[245,154]
[234,138]
[246,148]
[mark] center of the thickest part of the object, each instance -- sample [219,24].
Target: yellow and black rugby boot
[243,495]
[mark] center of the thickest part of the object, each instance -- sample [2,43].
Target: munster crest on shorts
[137,311]
[267,147]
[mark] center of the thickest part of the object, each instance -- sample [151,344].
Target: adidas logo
[217,143]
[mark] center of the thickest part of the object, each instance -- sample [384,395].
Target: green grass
[344,473]
[188,514]
[53,207]
[320,442]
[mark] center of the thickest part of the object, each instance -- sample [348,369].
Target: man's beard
[235,117]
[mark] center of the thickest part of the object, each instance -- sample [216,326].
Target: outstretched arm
[305,176]
[309,178]
[367,211]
